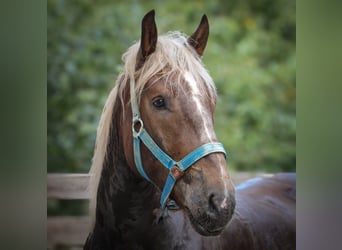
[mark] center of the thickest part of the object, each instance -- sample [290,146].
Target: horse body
[176,98]
[264,216]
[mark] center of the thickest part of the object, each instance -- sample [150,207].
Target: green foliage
[250,55]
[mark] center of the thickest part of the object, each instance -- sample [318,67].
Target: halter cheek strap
[176,169]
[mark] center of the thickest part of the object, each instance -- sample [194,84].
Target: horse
[159,177]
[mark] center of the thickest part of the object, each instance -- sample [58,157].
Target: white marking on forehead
[192,83]
[195,95]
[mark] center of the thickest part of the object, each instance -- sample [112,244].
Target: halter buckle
[176,172]
[137,122]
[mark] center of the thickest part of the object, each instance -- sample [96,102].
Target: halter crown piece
[176,169]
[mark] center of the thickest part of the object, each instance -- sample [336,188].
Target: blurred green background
[251,55]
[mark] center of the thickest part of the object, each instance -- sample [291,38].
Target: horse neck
[121,195]
[124,201]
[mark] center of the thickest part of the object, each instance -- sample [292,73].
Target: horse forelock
[172,60]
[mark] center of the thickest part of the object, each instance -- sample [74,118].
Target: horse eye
[159,103]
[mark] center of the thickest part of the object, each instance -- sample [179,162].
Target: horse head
[172,98]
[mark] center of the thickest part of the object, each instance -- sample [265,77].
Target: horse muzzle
[210,219]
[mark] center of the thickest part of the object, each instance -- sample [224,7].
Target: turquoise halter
[176,169]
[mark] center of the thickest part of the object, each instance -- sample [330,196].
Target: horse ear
[149,36]
[198,40]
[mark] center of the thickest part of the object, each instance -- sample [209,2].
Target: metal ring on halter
[137,120]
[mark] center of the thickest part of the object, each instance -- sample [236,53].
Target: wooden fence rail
[68,186]
[71,231]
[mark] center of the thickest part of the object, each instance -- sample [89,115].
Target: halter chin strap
[176,169]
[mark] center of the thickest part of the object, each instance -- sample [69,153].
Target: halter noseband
[176,169]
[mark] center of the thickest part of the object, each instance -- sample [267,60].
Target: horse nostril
[213,203]
[218,204]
